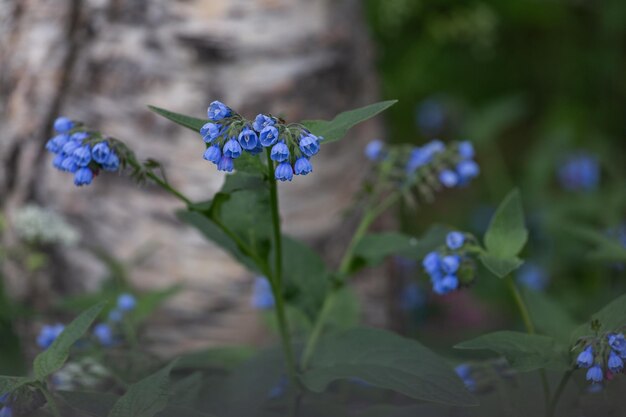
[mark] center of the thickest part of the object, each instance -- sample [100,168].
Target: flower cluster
[228,135]
[603,357]
[430,166]
[450,267]
[81,152]
[579,172]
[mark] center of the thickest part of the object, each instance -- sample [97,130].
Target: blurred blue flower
[464,371]
[585,358]
[112,163]
[126,302]
[83,176]
[100,152]
[303,166]
[225,164]
[48,335]
[104,334]
[615,363]
[374,150]
[213,154]
[279,389]
[412,297]
[579,172]
[262,297]
[617,341]
[594,374]
[448,178]
[533,276]
[466,150]
[210,132]
[63,125]
[455,240]
[6,411]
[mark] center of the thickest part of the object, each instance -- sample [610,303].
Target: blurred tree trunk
[101,61]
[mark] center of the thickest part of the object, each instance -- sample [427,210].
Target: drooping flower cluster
[81,152]
[108,333]
[579,172]
[450,267]
[430,166]
[603,357]
[228,135]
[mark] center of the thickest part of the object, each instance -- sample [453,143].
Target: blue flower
[100,152]
[104,334]
[464,371]
[55,145]
[79,136]
[82,155]
[112,163]
[57,162]
[210,132]
[69,148]
[69,164]
[455,240]
[280,152]
[262,297]
[218,111]
[579,173]
[261,122]
[431,262]
[617,341]
[374,150]
[309,145]
[615,363]
[532,276]
[466,149]
[445,285]
[448,178]
[279,389]
[594,374]
[116,315]
[126,302]
[63,125]
[232,149]
[225,164]
[213,154]
[303,166]
[284,172]
[83,176]
[585,358]
[434,147]
[269,136]
[48,335]
[467,170]
[450,264]
[248,139]
[6,411]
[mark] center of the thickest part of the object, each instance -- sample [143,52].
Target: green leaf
[11,383]
[219,357]
[189,122]
[499,266]
[147,303]
[306,279]
[338,127]
[388,361]
[549,318]
[53,358]
[524,352]
[374,248]
[507,234]
[611,318]
[146,397]
[214,233]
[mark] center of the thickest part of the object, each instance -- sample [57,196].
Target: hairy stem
[167,187]
[54,409]
[276,278]
[371,214]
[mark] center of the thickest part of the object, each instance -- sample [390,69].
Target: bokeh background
[539,87]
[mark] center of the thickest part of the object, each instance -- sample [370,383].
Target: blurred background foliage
[540,88]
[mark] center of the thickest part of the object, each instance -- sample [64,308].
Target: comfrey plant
[327,365]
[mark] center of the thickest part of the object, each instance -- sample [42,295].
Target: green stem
[276,278]
[50,400]
[169,188]
[530,329]
[557,394]
[371,214]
